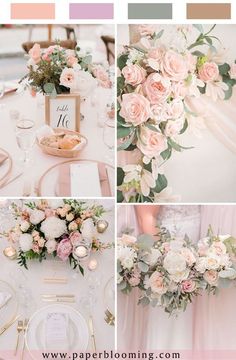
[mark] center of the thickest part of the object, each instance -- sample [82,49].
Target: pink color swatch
[91,11]
[32,11]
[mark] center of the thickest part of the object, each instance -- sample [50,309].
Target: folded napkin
[68,187]
[56,331]
[44,131]
[111,178]
[4,298]
[3,158]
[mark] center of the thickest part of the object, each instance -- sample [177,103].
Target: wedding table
[33,109]
[30,286]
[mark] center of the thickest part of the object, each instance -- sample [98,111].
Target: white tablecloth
[76,285]
[33,108]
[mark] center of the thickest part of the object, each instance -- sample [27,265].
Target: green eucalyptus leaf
[143,266]
[120,176]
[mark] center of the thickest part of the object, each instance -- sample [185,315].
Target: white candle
[81,251]
[92,264]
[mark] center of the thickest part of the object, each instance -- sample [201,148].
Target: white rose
[70,217]
[174,263]
[51,246]
[127,263]
[26,242]
[156,283]
[201,265]
[212,262]
[53,227]
[24,226]
[37,216]
[211,277]
[189,256]
[85,83]
[72,226]
[152,257]
[128,239]
[126,256]
[218,248]
[180,276]
[88,229]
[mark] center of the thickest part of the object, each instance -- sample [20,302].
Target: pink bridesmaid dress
[214,319]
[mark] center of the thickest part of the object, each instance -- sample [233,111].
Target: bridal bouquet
[64,229]
[155,86]
[170,271]
[56,70]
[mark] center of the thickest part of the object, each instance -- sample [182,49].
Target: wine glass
[2,90]
[25,137]
[108,138]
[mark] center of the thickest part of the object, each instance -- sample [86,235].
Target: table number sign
[63,111]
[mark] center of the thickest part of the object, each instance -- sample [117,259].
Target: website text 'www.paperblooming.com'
[112,355]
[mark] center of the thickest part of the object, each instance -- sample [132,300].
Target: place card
[85,180]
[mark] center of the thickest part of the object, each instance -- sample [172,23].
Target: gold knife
[69,300]
[91,328]
[4,328]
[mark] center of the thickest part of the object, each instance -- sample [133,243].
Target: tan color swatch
[209,11]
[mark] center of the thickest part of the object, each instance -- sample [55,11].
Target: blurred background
[17,40]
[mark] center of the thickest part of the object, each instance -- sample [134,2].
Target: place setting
[56,294]
[59,123]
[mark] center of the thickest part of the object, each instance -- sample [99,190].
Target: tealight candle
[10,252]
[81,251]
[102,225]
[92,265]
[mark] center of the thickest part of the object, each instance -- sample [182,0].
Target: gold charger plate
[56,180]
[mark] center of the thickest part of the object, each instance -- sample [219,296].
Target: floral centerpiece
[56,70]
[155,86]
[171,271]
[63,229]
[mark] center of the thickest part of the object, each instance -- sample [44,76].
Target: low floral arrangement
[57,228]
[170,271]
[155,86]
[56,70]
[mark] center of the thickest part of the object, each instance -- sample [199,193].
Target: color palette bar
[91,11]
[149,11]
[208,11]
[21,11]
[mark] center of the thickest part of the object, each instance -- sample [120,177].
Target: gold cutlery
[109,318]
[58,296]
[59,300]
[24,329]
[9,324]
[91,329]
[20,327]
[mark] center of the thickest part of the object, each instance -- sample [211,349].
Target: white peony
[26,242]
[180,276]
[174,262]
[51,246]
[24,226]
[126,256]
[53,227]
[37,216]
[152,257]
[88,229]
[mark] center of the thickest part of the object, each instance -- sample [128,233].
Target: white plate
[78,335]
[9,310]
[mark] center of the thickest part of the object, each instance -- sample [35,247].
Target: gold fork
[24,329]
[20,327]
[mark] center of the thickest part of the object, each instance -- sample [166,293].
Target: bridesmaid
[214,315]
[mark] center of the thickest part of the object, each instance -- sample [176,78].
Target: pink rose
[128,239]
[75,238]
[208,72]
[191,62]
[174,66]
[179,89]
[189,256]
[68,78]
[175,109]
[64,249]
[50,212]
[157,88]
[135,108]
[173,127]
[188,286]
[232,71]
[156,282]
[35,53]
[219,247]
[151,143]
[134,74]
[155,56]
[102,76]
[146,30]
[134,281]
[211,277]
[35,248]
